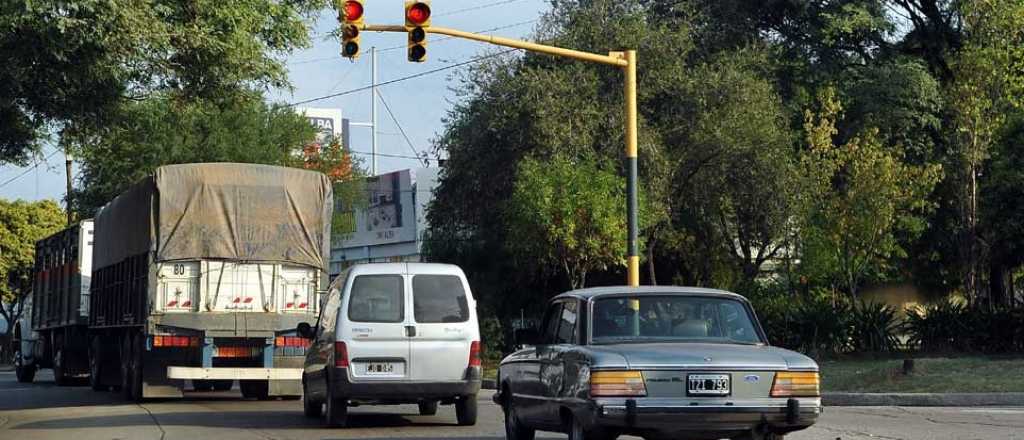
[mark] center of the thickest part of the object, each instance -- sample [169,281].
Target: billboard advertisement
[390,215]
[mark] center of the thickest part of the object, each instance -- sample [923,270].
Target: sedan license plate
[708,385]
[380,368]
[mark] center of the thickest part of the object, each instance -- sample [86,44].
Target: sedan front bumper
[691,419]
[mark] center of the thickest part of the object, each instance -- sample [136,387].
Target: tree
[570,214]
[21,225]
[346,175]
[68,64]
[861,195]
[164,130]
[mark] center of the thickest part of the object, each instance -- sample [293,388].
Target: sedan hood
[704,355]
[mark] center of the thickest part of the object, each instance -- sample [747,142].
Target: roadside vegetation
[972,374]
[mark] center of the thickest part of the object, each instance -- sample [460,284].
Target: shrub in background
[874,328]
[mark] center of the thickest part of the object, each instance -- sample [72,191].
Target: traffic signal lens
[418,13]
[351,31]
[351,49]
[353,10]
[418,35]
[417,53]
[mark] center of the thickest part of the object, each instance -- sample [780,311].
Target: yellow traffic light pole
[627,60]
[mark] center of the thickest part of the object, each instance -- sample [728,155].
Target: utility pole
[626,60]
[373,110]
[67,168]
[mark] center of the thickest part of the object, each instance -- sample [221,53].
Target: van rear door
[444,317]
[374,327]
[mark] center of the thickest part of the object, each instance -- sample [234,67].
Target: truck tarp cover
[220,211]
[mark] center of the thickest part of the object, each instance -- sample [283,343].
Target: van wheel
[24,373]
[428,408]
[465,410]
[337,410]
[255,389]
[310,408]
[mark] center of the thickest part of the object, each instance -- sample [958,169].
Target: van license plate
[380,368]
[708,385]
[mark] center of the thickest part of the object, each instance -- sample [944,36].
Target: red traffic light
[418,13]
[353,10]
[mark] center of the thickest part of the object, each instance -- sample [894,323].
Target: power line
[477,8]
[404,78]
[29,170]
[397,124]
[397,156]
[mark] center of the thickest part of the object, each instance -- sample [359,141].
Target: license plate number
[708,385]
[380,368]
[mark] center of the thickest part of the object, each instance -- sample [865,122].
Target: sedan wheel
[576,432]
[754,435]
[514,430]
[428,408]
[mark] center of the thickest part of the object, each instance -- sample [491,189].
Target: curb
[922,399]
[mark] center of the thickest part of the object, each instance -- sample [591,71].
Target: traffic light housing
[417,20]
[351,15]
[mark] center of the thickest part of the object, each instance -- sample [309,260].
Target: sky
[418,104]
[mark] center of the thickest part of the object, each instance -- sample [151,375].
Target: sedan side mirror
[526,336]
[305,330]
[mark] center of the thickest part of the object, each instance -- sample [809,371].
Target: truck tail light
[175,341]
[291,341]
[340,355]
[617,384]
[474,354]
[796,384]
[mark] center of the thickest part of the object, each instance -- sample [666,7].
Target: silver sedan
[657,362]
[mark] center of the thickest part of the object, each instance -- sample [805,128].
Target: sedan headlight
[796,384]
[617,384]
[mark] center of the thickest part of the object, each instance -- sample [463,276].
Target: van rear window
[376,298]
[439,298]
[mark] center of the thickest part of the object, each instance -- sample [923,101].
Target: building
[328,121]
[392,226]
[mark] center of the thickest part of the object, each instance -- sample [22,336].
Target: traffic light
[417,19]
[351,16]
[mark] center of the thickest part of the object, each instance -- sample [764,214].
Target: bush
[874,328]
[941,327]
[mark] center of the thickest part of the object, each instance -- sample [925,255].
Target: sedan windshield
[673,318]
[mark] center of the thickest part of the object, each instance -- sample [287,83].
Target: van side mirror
[526,336]
[305,330]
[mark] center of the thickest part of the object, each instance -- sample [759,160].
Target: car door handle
[410,331]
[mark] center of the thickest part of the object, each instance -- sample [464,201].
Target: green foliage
[874,328]
[568,214]
[162,130]
[68,64]
[941,327]
[21,225]
[860,196]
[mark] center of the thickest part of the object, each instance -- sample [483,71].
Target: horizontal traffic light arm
[612,59]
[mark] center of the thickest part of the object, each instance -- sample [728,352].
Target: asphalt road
[45,411]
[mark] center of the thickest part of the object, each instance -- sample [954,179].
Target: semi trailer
[201,273]
[53,330]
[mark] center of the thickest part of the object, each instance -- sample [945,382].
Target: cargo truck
[53,333]
[201,273]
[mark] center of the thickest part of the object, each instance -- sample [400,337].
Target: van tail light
[474,354]
[340,355]
[796,384]
[617,384]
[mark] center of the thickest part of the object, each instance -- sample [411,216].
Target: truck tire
[255,389]
[24,373]
[60,368]
[131,368]
[465,410]
[202,385]
[96,366]
[223,385]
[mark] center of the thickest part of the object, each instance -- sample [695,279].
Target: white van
[396,333]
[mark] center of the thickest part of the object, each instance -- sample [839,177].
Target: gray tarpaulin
[220,211]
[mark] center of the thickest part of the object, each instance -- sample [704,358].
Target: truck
[53,331]
[201,273]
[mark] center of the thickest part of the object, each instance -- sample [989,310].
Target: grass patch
[931,375]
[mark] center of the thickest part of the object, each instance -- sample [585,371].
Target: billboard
[390,215]
[328,122]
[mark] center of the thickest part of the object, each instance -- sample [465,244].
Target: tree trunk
[997,274]
[650,263]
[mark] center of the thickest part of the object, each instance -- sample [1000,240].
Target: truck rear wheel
[223,385]
[24,373]
[96,366]
[255,389]
[131,368]
[60,369]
